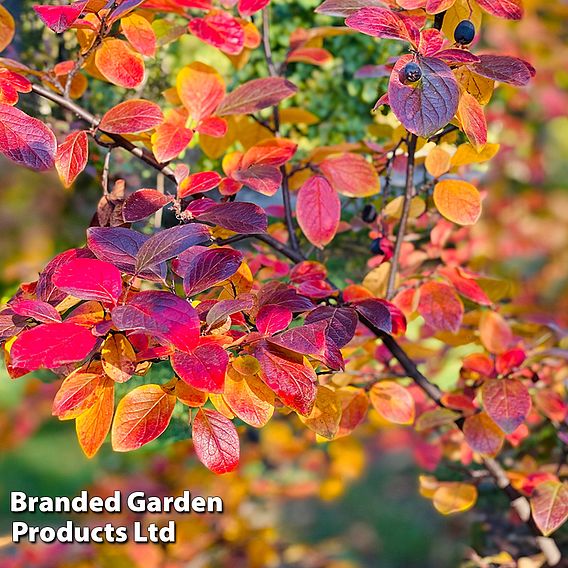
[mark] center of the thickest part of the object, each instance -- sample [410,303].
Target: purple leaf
[143,203]
[342,323]
[120,246]
[284,296]
[160,314]
[242,218]
[375,311]
[429,104]
[209,268]
[504,69]
[169,243]
[384,23]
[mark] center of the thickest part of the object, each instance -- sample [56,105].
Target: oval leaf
[393,402]
[507,401]
[132,117]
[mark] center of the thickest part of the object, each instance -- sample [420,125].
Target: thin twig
[93,122]
[409,193]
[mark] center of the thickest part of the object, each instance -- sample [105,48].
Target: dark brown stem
[409,192]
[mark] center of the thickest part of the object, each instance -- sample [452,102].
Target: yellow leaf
[325,415]
[295,115]
[466,154]
[458,201]
[477,86]
[376,280]
[454,497]
[394,208]
[461,10]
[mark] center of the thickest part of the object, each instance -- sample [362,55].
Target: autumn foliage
[236,300]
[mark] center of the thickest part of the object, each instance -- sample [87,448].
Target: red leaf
[507,401]
[273,318]
[203,368]
[293,381]
[425,107]
[120,64]
[89,279]
[51,345]
[384,23]
[168,243]
[209,268]
[214,126]
[161,314]
[60,18]
[318,211]
[36,309]
[171,137]
[25,140]
[72,157]
[220,30]
[310,55]
[255,95]
[141,416]
[508,9]
[273,152]
[120,246]
[143,203]
[198,183]
[249,7]
[131,117]
[216,441]
[440,306]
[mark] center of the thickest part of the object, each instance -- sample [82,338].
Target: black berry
[411,73]
[376,246]
[369,213]
[464,32]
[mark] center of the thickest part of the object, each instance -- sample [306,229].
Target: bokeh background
[356,503]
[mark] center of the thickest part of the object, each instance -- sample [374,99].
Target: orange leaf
[118,358]
[132,117]
[549,504]
[351,175]
[7,28]
[472,120]
[458,201]
[325,415]
[454,497]
[249,398]
[483,435]
[78,392]
[354,405]
[201,89]
[495,333]
[216,441]
[437,162]
[140,34]
[440,306]
[120,64]
[274,152]
[393,402]
[93,425]
[318,210]
[141,416]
